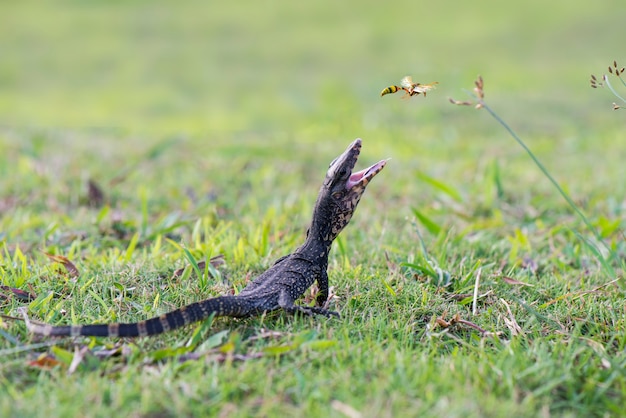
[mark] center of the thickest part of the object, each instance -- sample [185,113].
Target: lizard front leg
[322,284]
[286,302]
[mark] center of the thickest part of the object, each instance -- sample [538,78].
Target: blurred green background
[208,68]
[88,88]
[223,98]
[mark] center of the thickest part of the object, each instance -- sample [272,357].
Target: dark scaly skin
[279,286]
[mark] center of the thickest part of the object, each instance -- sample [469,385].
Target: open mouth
[366,175]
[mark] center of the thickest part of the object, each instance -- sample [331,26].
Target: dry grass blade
[265,334]
[79,355]
[510,322]
[218,356]
[475,299]
[576,295]
[512,281]
[216,261]
[345,409]
[462,296]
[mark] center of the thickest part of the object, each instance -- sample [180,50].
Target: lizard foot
[310,311]
[313,310]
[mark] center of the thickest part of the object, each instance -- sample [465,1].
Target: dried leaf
[442,323]
[45,361]
[456,319]
[69,266]
[95,195]
[216,261]
[512,281]
[19,294]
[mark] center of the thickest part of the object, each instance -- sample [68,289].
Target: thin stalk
[608,84]
[548,175]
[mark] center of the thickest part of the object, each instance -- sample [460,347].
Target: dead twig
[456,319]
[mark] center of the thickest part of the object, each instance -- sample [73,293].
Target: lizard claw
[313,310]
[310,311]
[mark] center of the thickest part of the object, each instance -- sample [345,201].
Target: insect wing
[407,82]
[423,88]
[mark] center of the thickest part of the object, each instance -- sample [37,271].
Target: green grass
[209,128]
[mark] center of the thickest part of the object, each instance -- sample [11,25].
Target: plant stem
[549,176]
[608,84]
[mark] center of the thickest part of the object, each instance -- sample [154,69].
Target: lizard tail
[220,306]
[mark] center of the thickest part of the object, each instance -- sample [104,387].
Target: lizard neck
[326,223]
[318,242]
[314,251]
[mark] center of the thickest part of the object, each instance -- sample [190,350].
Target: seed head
[594,82]
[460,103]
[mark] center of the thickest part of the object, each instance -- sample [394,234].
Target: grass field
[208,127]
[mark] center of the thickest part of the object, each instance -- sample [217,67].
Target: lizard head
[341,192]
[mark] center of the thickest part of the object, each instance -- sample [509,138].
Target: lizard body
[279,286]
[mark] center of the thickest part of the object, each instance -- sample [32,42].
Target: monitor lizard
[283,283]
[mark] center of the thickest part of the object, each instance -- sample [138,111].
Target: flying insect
[410,88]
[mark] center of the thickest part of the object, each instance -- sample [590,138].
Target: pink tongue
[359,175]
[355,178]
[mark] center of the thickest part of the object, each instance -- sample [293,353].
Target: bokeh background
[203,68]
[204,95]
[227,101]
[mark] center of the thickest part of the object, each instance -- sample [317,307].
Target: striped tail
[390,90]
[220,306]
